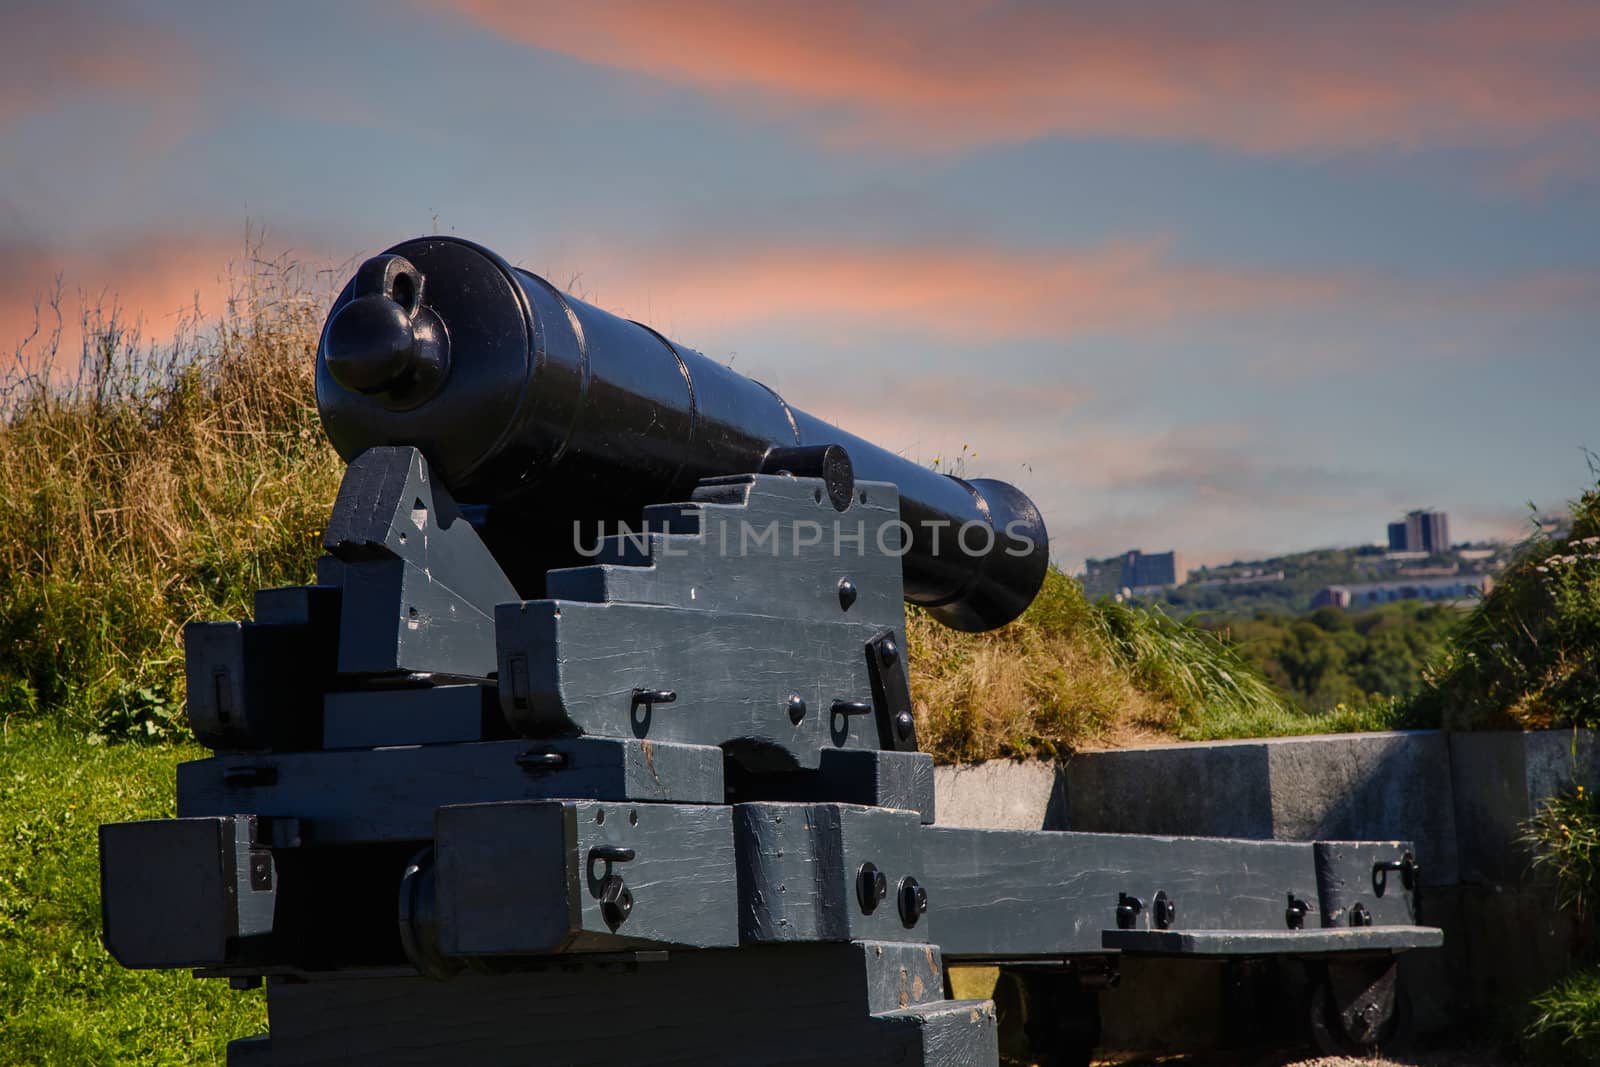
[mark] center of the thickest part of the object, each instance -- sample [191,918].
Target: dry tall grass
[1070,673]
[152,484]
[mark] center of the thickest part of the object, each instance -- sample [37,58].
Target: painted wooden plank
[390,794]
[875,778]
[1017,894]
[799,865]
[185,892]
[753,545]
[572,667]
[530,877]
[1312,942]
[1345,881]
[782,1004]
[436,715]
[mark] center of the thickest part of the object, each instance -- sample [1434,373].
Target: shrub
[1528,657]
[1564,837]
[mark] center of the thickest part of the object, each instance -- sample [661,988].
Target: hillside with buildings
[1334,628]
[1417,562]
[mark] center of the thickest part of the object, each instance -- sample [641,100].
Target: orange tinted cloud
[63,50]
[970,291]
[1259,77]
[153,284]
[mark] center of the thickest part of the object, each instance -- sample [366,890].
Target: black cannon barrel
[523,397]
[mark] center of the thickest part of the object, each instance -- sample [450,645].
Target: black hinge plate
[891,693]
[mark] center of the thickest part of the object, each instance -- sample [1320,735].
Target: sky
[1232,279]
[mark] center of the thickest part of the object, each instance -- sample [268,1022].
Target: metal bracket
[1410,873]
[891,694]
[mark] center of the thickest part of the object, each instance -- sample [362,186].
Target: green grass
[63,1000]
[1528,656]
[1566,1022]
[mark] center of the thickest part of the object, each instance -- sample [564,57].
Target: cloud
[152,282]
[1255,77]
[67,50]
[969,291]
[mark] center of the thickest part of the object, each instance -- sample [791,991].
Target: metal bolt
[888,651]
[872,886]
[537,762]
[904,724]
[1163,910]
[616,901]
[913,901]
[797,708]
[847,593]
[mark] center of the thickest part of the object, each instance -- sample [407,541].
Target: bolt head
[904,724]
[888,651]
[872,886]
[913,901]
[616,901]
[847,593]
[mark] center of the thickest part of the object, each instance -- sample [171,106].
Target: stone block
[1209,789]
[1500,779]
[1000,795]
[1352,787]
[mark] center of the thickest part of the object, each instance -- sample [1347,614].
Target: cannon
[489,792]
[518,395]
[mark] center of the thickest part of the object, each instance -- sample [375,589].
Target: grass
[63,1001]
[1564,837]
[1072,672]
[1528,656]
[1566,1022]
[147,486]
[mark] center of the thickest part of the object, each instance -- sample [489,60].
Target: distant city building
[1133,570]
[1370,594]
[1249,577]
[1333,596]
[1421,531]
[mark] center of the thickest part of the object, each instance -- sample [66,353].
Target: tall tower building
[1421,531]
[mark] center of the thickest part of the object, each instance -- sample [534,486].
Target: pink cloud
[1262,78]
[153,284]
[970,290]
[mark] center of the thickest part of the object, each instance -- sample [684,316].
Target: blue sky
[1227,279]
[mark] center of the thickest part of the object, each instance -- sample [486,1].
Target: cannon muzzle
[534,403]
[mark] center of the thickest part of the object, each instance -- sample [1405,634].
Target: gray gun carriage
[593,740]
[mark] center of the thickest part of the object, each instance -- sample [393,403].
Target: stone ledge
[1351,787]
